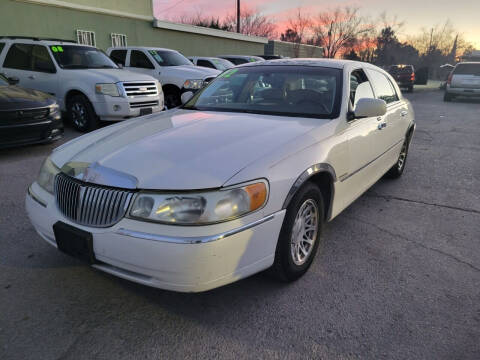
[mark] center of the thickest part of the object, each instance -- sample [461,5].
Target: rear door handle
[382,126]
[31,77]
[404,113]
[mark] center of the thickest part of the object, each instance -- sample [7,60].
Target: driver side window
[360,87]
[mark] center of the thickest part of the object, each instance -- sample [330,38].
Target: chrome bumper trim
[195,239]
[36,197]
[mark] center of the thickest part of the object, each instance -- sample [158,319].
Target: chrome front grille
[90,204]
[142,104]
[140,88]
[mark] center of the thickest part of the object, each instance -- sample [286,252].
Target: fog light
[116,107]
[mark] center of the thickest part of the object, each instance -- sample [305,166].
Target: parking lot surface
[398,276]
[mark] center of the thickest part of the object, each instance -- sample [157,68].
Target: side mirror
[13,80]
[368,107]
[120,66]
[186,96]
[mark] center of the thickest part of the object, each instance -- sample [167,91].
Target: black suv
[27,116]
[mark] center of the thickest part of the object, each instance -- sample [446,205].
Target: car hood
[182,149]
[17,98]
[193,72]
[111,75]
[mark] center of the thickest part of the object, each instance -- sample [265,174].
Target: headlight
[54,108]
[47,175]
[193,84]
[107,89]
[200,207]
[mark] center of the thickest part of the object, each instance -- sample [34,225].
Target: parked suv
[211,62]
[175,72]
[464,80]
[88,86]
[404,75]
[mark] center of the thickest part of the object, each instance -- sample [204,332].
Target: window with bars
[119,40]
[85,37]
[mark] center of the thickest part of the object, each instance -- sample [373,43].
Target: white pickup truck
[174,71]
[88,86]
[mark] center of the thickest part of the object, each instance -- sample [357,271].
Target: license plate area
[146,111]
[74,242]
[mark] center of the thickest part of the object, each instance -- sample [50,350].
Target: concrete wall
[275,47]
[62,22]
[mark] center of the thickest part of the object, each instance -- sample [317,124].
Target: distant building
[106,23]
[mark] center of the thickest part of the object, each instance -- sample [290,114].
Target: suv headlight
[199,208]
[47,174]
[193,84]
[107,89]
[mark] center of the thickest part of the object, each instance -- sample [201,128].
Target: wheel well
[410,132]
[324,182]
[169,88]
[71,94]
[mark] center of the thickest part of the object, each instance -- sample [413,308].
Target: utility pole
[238,16]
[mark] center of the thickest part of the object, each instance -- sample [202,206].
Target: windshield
[222,64]
[169,58]
[81,57]
[276,90]
[400,69]
[3,80]
[467,69]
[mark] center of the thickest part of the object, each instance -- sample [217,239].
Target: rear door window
[19,57]
[119,56]
[467,69]
[139,60]
[383,87]
[41,60]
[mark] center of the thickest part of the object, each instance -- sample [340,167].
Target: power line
[171,7]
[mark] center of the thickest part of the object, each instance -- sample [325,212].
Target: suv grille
[137,89]
[90,204]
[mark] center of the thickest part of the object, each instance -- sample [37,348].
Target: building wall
[61,22]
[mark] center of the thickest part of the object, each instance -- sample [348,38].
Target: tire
[288,266]
[81,114]
[447,97]
[172,99]
[397,170]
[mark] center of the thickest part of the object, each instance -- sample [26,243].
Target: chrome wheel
[304,232]
[402,157]
[79,115]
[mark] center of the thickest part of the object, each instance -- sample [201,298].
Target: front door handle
[382,126]
[31,77]
[404,113]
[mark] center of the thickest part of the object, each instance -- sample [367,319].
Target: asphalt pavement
[398,275]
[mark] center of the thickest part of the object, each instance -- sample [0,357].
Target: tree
[252,22]
[338,30]
[290,36]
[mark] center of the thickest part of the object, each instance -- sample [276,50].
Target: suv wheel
[447,97]
[172,99]
[81,113]
[300,235]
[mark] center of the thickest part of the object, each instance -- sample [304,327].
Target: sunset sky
[464,14]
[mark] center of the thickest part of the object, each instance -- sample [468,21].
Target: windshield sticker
[229,73]
[252,60]
[56,49]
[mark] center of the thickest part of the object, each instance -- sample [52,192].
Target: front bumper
[46,130]
[120,108]
[179,258]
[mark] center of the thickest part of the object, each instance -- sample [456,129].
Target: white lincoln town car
[240,179]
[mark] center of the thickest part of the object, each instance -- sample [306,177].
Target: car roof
[47,42]
[240,56]
[140,48]
[331,63]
